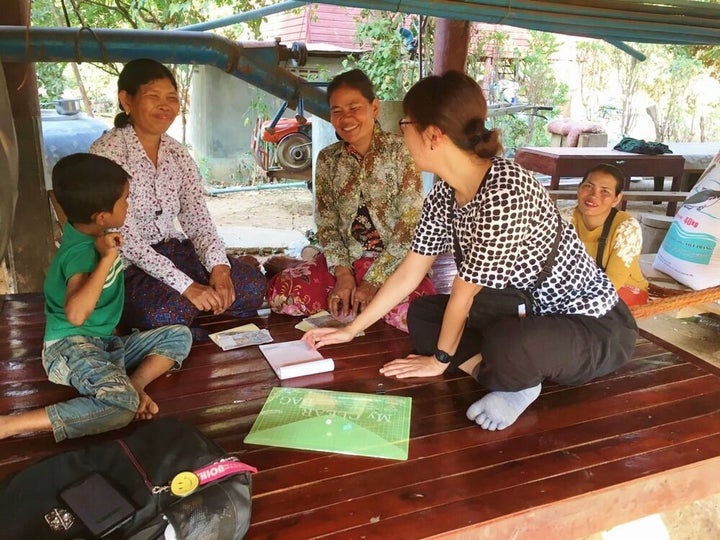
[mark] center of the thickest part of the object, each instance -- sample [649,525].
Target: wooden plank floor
[644,439]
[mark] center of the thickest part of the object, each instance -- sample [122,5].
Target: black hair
[612,170]
[455,103]
[135,74]
[85,184]
[356,79]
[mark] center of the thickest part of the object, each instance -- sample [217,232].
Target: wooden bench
[581,459]
[655,196]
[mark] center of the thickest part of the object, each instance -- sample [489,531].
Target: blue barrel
[65,134]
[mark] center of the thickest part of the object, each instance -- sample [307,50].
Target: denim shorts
[98,368]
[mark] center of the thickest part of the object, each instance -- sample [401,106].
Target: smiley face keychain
[186,482]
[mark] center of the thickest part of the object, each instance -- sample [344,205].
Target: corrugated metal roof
[668,21]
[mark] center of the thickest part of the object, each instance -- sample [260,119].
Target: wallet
[95,502]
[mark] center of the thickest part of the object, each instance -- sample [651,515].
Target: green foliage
[537,85]
[258,108]
[668,79]
[49,76]
[629,73]
[486,52]
[132,14]
[388,65]
[51,83]
[593,63]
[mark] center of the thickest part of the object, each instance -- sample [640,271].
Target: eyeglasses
[403,122]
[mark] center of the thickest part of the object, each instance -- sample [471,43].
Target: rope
[675,301]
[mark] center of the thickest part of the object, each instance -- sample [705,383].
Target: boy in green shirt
[84,291]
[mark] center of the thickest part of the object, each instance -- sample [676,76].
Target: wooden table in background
[570,161]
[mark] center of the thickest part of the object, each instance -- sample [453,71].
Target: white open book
[295,359]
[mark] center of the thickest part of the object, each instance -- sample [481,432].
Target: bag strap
[604,236]
[549,262]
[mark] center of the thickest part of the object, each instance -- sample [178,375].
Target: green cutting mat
[344,422]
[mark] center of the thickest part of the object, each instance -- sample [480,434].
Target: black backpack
[31,505]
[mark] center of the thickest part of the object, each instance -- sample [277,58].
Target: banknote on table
[323,319]
[241,336]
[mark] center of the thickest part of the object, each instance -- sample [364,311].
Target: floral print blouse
[160,198]
[390,184]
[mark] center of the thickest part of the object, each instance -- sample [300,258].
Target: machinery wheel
[294,152]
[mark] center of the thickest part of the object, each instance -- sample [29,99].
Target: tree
[669,82]
[537,85]
[629,72]
[486,54]
[49,75]
[387,63]
[592,58]
[137,14]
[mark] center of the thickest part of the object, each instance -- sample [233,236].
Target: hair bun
[481,137]
[476,132]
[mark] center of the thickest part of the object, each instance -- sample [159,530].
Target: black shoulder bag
[491,305]
[604,236]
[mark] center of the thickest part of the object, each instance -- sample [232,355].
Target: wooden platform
[642,440]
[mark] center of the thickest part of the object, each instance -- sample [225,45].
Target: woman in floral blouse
[598,195]
[368,197]
[172,273]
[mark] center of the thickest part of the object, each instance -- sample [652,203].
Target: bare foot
[147,408]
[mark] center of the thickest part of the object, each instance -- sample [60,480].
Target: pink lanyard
[186,482]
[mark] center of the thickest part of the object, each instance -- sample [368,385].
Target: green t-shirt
[77,255]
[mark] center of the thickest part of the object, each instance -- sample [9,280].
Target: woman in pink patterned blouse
[172,273]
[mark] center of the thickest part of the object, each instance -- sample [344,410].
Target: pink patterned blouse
[161,198]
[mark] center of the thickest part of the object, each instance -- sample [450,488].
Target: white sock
[498,410]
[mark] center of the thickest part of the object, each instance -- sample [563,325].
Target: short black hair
[85,184]
[136,74]
[355,79]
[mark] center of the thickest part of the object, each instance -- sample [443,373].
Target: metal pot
[67,106]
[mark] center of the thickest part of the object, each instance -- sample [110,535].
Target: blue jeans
[98,369]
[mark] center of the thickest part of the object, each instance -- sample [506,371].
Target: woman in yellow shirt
[613,237]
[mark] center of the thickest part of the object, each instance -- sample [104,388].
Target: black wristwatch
[442,356]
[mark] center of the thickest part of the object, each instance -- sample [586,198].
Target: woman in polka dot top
[501,225]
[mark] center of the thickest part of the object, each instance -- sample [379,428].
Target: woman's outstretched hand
[413,365]
[320,337]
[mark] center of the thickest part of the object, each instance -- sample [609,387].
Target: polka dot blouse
[506,233]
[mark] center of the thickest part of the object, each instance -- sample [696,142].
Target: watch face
[442,356]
